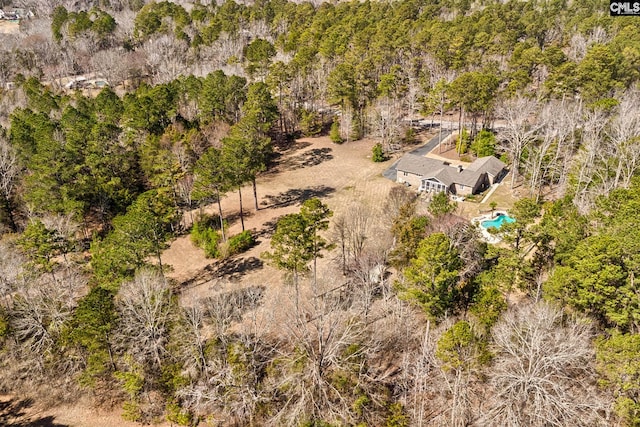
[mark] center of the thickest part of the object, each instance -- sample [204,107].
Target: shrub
[178,415]
[236,244]
[204,236]
[131,411]
[241,242]
[334,133]
[378,154]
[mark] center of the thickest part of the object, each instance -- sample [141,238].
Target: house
[427,174]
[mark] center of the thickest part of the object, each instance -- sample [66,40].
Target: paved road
[391,173]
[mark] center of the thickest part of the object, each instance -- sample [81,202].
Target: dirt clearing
[340,175]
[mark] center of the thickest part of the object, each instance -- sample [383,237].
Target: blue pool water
[497,221]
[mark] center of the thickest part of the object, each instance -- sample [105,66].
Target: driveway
[423,150]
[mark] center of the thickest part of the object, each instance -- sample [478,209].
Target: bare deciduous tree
[192,340]
[623,135]
[145,310]
[350,233]
[543,371]
[589,174]
[324,367]
[397,198]
[227,367]
[11,270]
[108,64]
[166,57]
[519,130]
[9,171]
[386,120]
[41,307]
[547,152]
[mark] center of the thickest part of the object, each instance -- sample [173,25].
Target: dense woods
[422,322]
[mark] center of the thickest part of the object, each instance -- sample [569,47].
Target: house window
[404,174]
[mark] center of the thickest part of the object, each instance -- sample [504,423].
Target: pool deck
[488,237]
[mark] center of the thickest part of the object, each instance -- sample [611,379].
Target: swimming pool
[497,222]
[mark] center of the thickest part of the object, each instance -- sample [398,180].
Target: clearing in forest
[340,175]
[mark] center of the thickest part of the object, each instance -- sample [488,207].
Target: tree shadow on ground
[232,269]
[306,159]
[13,414]
[268,228]
[247,212]
[296,195]
[235,268]
[309,158]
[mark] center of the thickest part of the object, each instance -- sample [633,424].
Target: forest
[391,314]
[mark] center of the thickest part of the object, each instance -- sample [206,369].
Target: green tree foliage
[39,97]
[75,24]
[58,18]
[525,211]
[460,349]
[91,328]
[474,92]
[206,237]
[334,133]
[296,240]
[595,280]
[597,270]
[258,54]
[163,17]
[238,244]
[259,111]
[316,215]
[221,97]
[561,229]
[108,106]
[462,142]
[291,249]
[488,305]
[432,277]
[484,144]
[150,109]
[599,73]
[139,233]
[409,229]
[93,158]
[377,154]
[212,179]
[397,416]
[441,205]
[310,123]
[76,160]
[204,233]
[40,245]
[618,362]
[247,149]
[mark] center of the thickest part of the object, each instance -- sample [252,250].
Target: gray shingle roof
[489,164]
[432,168]
[419,165]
